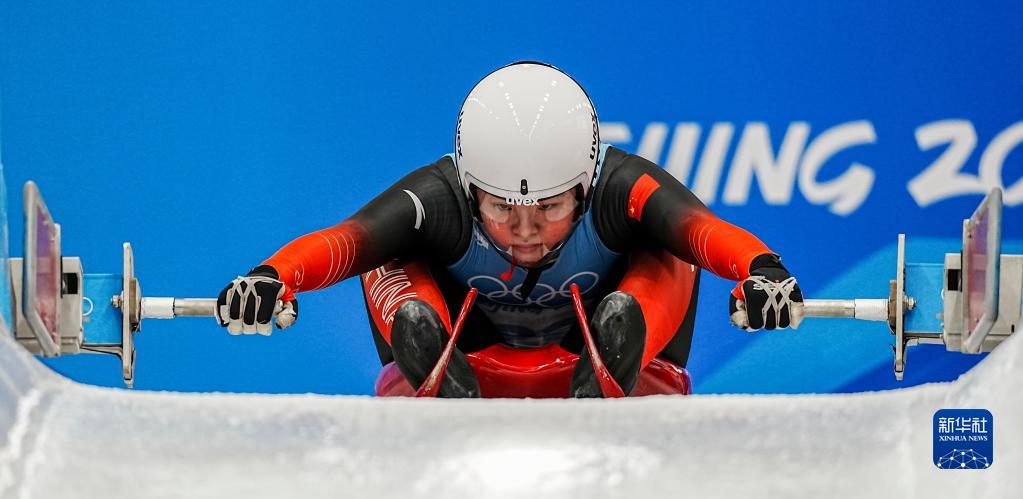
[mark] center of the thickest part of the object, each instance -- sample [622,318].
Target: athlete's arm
[638,200]
[421,215]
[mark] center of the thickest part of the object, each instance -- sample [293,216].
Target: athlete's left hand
[768,299]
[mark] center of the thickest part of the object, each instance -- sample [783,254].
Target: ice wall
[62,439]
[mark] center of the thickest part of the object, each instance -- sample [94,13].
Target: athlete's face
[528,232]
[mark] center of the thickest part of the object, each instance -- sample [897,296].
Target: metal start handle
[169,308]
[862,309]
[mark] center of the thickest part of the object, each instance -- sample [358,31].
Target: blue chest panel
[546,314]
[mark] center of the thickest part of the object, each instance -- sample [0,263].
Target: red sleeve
[719,246]
[689,230]
[320,259]
[421,215]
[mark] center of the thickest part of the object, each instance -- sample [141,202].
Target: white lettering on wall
[944,177]
[754,157]
[775,175]
[682,150]
[845,193]
[993,160]
[799,163]
[711,162]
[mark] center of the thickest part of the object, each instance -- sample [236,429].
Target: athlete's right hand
[248,304]
[770,298]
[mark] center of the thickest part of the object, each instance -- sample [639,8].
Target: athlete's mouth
[526,248]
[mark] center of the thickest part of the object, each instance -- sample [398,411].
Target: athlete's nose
[524,221]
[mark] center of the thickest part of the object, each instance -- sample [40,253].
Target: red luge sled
[506,372]
[662,284]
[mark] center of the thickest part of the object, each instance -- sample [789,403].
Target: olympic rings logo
[543,294]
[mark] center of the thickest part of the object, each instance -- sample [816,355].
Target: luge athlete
[529,203]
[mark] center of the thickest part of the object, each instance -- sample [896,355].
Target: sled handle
[432,384]
[608,386]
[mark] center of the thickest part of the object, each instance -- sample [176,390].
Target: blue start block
[924,283]
[101,322]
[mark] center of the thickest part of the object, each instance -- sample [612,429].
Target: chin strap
[532,277]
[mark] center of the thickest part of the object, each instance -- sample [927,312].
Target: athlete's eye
[502,206]
[549,206]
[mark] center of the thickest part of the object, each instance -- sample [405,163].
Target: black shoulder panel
[424,215]
[610,205]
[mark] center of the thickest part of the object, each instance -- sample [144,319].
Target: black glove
[249,303]
[770,298]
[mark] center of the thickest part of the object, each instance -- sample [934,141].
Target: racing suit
[643,234]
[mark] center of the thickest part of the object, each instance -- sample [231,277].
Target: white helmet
[526,132]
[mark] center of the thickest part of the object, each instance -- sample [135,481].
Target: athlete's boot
[417,338]
[619,330]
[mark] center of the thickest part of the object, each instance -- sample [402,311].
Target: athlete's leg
[677,349]
[666,289]
[417,338]
[651,313]
[410,322]
[618,329]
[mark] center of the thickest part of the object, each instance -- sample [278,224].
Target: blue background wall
[209,134]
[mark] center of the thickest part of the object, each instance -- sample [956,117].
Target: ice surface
[62,439]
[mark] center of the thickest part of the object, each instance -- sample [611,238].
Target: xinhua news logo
[963,439]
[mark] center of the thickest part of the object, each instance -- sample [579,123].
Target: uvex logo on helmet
[522,201]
